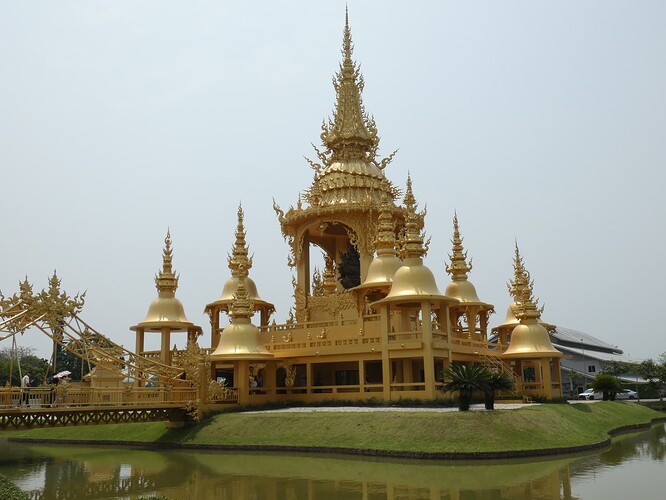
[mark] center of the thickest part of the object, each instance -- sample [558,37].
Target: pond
[633,467]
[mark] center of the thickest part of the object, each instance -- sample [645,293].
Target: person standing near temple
[25,383]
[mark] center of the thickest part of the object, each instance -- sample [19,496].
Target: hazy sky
[541,121]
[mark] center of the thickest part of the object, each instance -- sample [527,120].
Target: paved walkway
[360,409]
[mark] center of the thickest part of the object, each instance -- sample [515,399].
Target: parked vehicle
[626,394]
[589,394]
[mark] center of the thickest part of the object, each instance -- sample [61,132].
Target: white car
[626,394]
[589,394]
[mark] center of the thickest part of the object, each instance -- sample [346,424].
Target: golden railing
[45,397]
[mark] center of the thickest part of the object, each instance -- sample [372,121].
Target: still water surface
[633,468]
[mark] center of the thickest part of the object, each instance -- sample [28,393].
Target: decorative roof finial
[522,288]
[412,241]
[351,134]
[167,281]
[519,274]
[385,243]
[459,267]
[241,307]
[239,252]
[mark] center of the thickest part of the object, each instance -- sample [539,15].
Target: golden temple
[373,323]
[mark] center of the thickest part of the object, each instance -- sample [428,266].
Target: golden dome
[166,310]
[229,289]
[460,287]
[530,339]
[464,291]
[384,266]
[239,257]
[240,340]
[511,319]
[413,281]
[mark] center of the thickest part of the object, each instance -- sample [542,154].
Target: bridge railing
[45,397]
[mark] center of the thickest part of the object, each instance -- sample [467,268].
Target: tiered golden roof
[384,266]
[240,339]
[413,280]
[349,173]
[240,258]
[460,287]
[166,310]
[529,339]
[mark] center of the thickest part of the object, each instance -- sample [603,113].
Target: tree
[608,384]
[37,367]
[654,373]
[616,368]
[466,379]
[497,381]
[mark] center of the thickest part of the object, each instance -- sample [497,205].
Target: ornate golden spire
[385,242]
[515,286]
[239,253]
[412,240]
[459,267]
[166,281]
[351,134]
[241,307]
[522,288]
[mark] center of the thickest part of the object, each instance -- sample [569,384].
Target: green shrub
[9,491]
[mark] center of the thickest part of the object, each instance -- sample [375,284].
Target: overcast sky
[543,122]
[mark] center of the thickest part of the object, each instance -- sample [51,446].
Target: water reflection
[68,472]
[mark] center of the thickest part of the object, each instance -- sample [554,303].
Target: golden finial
[522,288]
[241,307]
[385,241]
[351,134]
[459,267]
[519,274]
[412,241]
[239,252]
[167,281]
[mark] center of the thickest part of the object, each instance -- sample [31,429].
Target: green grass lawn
[533,427]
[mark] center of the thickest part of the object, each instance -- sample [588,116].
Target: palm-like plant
[498,381]
[607,384]
[466,379]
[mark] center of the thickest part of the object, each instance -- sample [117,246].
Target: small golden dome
[239,258]
[384,266]
[511,320]
[413,281]
[464,291]
[229,289]
[166,310]
[240,340]
[381,271]
[530,339]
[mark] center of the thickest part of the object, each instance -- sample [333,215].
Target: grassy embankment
[529,428]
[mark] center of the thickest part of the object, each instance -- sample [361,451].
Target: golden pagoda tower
[503,331]
[239,258]
[471,309]
[166,313]
[533,358]
[383,267]
[240,342]
[414,315]
[338,212]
